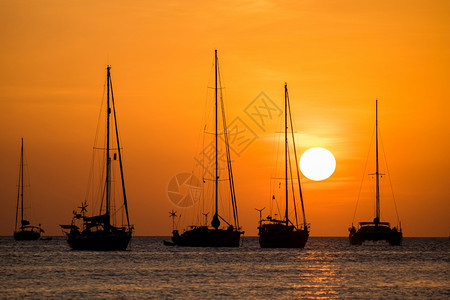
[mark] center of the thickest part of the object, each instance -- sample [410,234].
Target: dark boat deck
[278,235]
[203,236]
[375,231]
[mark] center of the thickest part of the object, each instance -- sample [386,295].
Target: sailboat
[283,233]
[215,235]
[99,232]
[24,231]
[376,230]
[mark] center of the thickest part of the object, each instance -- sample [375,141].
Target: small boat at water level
[24,231]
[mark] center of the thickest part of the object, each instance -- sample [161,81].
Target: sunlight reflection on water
[328,268]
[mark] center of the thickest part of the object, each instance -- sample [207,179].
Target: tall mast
[215,97]
[215,220]
[18,193]
[377,170]
[286,152]
[108,158]
[21,181]
[20,189]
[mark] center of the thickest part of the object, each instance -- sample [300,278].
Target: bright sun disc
[317,163]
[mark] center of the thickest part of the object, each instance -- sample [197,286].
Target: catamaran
[376,230]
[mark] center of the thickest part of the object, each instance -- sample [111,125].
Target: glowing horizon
[336,59]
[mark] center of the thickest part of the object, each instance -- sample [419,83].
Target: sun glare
[317,163]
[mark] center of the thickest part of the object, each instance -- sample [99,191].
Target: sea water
[328,268]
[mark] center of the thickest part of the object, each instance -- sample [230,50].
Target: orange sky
[337,57]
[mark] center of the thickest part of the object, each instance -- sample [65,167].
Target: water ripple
[328,268]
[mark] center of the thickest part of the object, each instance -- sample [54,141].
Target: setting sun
[249,149]
[337,58]
[317,163]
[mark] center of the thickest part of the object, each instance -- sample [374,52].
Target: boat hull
[282,236]
[99,241]
[207,237]
[27,235]
[376,233]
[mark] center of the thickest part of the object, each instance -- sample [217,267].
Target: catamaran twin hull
[207,237]
[376,232]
